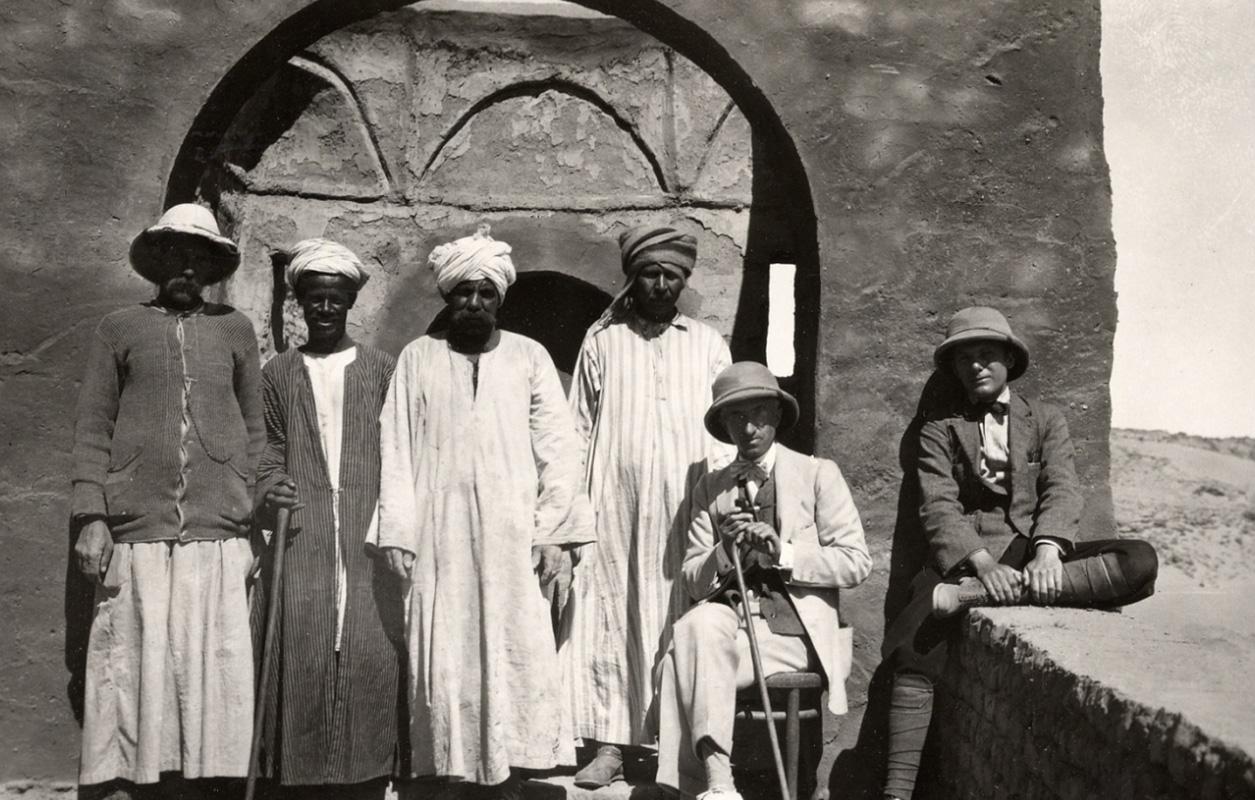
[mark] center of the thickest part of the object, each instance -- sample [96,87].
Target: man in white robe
[480,491]
[640,388]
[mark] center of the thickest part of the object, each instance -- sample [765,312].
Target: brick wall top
[1079,704]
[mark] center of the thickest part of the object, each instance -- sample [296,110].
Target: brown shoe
[603,770]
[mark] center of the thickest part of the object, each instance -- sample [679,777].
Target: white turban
[324,257]
[473,258]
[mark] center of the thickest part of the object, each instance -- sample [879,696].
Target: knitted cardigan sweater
[169,427]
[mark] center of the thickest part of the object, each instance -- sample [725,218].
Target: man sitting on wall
[802,540]
[1000,506]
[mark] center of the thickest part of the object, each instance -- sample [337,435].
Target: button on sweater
[169,426]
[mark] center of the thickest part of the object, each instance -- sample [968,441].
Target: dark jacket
[1045,495]
[169,426]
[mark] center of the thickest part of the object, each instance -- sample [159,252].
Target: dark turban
[649,243]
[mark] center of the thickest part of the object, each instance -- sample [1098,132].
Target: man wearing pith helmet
[801,540]
[1000,507]
[166,441]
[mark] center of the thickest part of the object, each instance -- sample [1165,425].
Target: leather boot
[603,770]
[1095,581]
[1099,580]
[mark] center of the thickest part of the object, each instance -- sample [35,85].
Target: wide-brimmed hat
[976,323]
[185,225]
[746,380]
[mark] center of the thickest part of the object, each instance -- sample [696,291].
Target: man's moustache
[472,320]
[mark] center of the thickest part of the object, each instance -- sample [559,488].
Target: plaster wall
[410,128]
[952,154]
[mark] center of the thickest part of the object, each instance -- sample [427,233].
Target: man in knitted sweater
[168,433]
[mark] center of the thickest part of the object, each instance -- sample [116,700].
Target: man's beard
[181,291]
[650,325]
[469,331]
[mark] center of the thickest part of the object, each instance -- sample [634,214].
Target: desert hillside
[1192,497]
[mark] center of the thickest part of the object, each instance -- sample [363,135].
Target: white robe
[326,378]
[638,405]
[470,482]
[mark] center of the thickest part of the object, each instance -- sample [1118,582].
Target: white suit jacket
[817,515]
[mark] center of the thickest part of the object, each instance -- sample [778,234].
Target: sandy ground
[1195,501]
[1196,505]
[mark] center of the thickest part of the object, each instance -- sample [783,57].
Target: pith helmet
[976,323]
[746,380]
[185,225]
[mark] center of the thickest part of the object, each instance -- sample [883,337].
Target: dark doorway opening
[554,309]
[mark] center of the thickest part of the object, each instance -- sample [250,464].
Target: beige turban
[473,258]
[324,257]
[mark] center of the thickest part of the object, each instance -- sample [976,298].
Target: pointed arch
[535,88]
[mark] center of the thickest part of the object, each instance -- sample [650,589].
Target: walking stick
[268,648]
[757,659]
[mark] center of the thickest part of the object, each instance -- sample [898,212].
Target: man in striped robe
[336,705]
[640,389]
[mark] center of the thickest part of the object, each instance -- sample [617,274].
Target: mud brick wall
[915,157]
[1022,716]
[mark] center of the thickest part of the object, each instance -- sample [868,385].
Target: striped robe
[337,723]
[638,405]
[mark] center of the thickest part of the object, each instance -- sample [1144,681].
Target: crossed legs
[1097,574]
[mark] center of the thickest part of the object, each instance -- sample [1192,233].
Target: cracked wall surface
[406,130]
[952,153]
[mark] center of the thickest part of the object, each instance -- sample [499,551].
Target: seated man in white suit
[802,541]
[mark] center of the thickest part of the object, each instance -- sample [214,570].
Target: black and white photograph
[627,399]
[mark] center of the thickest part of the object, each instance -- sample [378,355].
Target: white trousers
[708,662]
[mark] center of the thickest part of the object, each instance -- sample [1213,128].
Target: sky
[1179,89]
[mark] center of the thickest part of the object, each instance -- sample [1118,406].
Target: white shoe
[951,598]
[720,794]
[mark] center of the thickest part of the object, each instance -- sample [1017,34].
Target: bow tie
[749,470]
[977,411]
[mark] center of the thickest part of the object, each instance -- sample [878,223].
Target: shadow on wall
[79,595]
[858,771]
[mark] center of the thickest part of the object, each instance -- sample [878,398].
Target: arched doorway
[397,129]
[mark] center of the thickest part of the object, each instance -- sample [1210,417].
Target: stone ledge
[1078,704]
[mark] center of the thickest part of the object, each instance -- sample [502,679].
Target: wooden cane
[268,648]
[755,658]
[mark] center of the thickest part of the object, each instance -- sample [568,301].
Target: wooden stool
[794,683]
